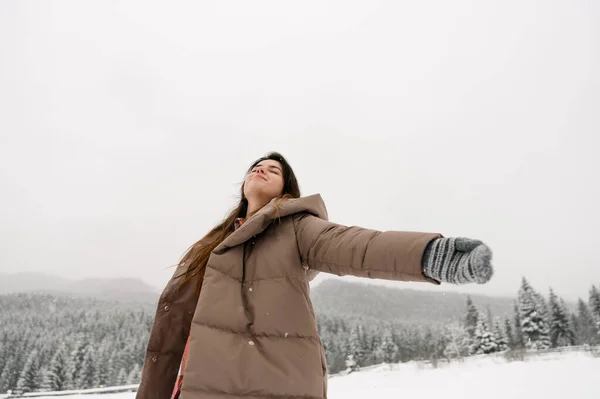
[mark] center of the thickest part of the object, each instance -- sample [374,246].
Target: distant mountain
[331,298]
[372,303]
[102,288]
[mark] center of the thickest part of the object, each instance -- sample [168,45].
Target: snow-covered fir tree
[585,332]
[113,369]
[594,301]
[3,356]
[483,341]
[121,377]
[388,347]
[428,345]
[75,361]
[532,314]
[575,326]
[87,374]
[355,352]
[545,315]
[129,357]
[508,332]
[102,375]
[371,341]
[471,318]
[56,377]
[8,374]
[30,379]
[336,356]
[595,308]
[458,341]
[406,349]
[11,372]
[561,333]
[134,375]
[500,337]
[518,339]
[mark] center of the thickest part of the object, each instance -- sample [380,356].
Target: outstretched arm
[392,255]
[332,248]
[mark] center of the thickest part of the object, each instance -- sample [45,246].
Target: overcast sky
[126,127]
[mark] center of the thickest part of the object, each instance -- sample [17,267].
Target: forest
[51,342]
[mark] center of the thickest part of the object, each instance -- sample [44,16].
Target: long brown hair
[197,255]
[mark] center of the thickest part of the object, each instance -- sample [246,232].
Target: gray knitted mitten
[458,261]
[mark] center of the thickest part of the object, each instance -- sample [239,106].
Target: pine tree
[404,346]
[370,343]
[30,378]
[575,326]
[134,375]
[87,373]
[332,351]
[500,337]
[586,331]
[103,356]
[561,333]
[13,365]
[595,310]
[338,356]
[112,369]
[388,347]
[9,375]
[484,341]
[128,358]
[355,350]
[471,318]
[457,345]
[122,377]
[75,361]
[510,340]
[4,376]
[518,339]
[56,378]
[532,312]
[428,345]
[594,301]
[3,356]
[544,327]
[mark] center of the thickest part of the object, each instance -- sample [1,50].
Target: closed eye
[271,168]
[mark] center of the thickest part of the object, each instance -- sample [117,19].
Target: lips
[259,177]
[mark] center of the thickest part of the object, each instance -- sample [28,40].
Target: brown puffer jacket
[253,329]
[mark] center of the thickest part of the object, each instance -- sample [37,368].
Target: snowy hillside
[545,376]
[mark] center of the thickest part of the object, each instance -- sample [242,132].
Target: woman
[252,333]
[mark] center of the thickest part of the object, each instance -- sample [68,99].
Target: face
[265,181]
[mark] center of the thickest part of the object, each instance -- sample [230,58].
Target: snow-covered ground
[573,375]
[551,376]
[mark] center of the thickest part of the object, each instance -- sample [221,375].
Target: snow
[549,376]
[546,377]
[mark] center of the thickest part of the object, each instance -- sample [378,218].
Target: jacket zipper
[244,265]
[245,298]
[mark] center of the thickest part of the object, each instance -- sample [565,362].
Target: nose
[260,169]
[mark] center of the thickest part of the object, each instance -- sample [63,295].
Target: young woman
[236,318]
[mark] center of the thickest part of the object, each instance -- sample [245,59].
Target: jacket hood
[258,222]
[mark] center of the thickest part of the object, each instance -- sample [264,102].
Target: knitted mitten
[458,261]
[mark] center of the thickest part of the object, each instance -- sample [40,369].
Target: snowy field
[550,376]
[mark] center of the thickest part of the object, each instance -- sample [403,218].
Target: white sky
[125,127]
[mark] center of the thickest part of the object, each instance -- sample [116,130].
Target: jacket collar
[258,222]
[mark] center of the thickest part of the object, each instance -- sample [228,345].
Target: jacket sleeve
[332,248]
